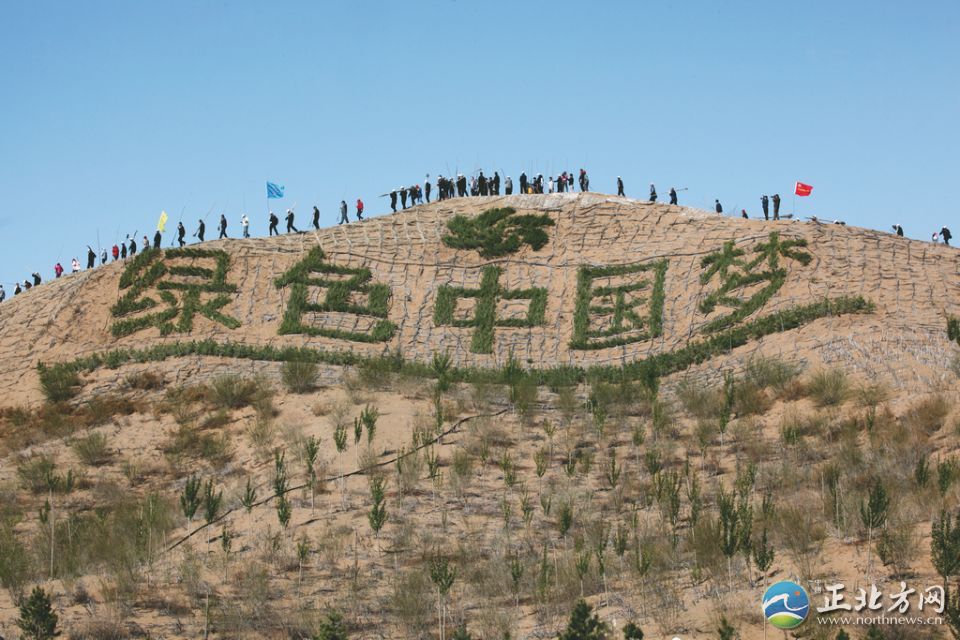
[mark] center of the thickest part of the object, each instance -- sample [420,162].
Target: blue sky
[112,111]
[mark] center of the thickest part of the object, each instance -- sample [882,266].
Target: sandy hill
[554,396]
[912,287]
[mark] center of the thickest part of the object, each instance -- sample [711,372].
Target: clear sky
[112,111]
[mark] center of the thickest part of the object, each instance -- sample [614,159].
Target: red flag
[803,189]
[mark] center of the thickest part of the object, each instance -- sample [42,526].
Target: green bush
[771,373]
[828,387]
[299,376]
[231,391]
[37,620]
[38,473]
[92,449]
[59,382]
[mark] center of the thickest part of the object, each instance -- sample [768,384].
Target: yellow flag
[161,225]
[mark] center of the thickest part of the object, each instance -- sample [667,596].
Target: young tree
[211,502]
[763,555]
[945,547]
[873,512]
[284,511]
[340,439]
[461,633]
[249,496]
[632,632]
[369,417]
[442,575]
[190,497]
[311,448]
[332,627]
[378,511]
[726,631]
[37,620]
[843,635]
[584,626]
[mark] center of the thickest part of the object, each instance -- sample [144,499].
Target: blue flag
[274,190]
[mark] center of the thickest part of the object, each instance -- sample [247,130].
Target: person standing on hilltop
[343,213]
[765,205]
[898,230]
[36,279]
[743,214]
[523,182]
[57,270]
[290,226]
[316,217]
[103,257]
[776,206]
[403,197]
[201,229]
[157,239]
[393,200]
[274,221]
[945,235]
[482,184]
[75,266]
[133,246]
[3,294]
[223,226]
[620,187]
[718,207]
[181,231]
[653,193]
[673,195]
[245,225]
[359,209]
[91,257]
[17,290]
[584,181]
[123,250]
[115,251]
[426,187]
[508,186]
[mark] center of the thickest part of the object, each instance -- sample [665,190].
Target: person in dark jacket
[620,186]
[718,207]
[945,235]
[290,226]
[17,290]
[181,232]
[133,246]
[37,279]
[91,257]
[523,183]
[123,250]
[673,196]
[482,184]
[223,226]
[403,197]
[776,206]
[343,213]
[653,193]
[103,257]
[898,230]
[743,214]
[202,229]
[426,187]
[157,239]
[274,221]
[393,200]
[765,205]
[316,217]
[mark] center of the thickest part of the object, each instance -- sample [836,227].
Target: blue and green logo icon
[786,604]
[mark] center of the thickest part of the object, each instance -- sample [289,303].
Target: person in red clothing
[116,252]
[58,269]
[359,209]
